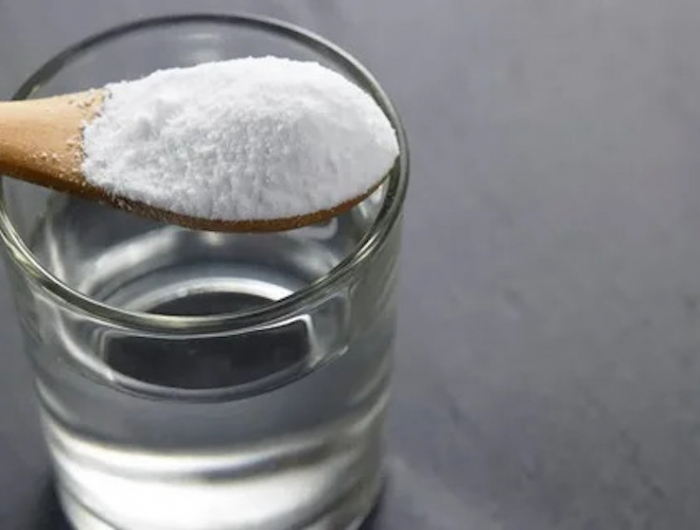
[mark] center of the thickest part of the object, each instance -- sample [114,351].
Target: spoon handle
[41,139]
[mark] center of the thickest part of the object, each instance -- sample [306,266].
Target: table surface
[547,371]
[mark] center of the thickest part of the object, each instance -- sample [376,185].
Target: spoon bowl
[41,142]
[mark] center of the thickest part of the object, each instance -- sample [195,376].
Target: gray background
[547,372]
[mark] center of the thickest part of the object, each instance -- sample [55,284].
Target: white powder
[247,139]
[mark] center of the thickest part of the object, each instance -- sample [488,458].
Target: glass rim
[275,310]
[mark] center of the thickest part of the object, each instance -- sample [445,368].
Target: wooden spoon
[41,142]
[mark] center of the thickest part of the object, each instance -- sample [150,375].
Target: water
[216,432]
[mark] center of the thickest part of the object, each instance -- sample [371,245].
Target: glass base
[349,514]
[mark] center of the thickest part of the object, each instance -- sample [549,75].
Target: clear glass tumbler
[197,380]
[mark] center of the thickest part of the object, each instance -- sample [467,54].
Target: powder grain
[246,139]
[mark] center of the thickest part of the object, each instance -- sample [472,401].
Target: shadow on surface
[49,514]
[373,521]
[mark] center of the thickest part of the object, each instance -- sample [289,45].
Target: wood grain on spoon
[41,142]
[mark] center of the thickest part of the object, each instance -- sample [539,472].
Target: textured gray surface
[547,372]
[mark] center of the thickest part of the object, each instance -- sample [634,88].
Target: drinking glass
[193,380]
